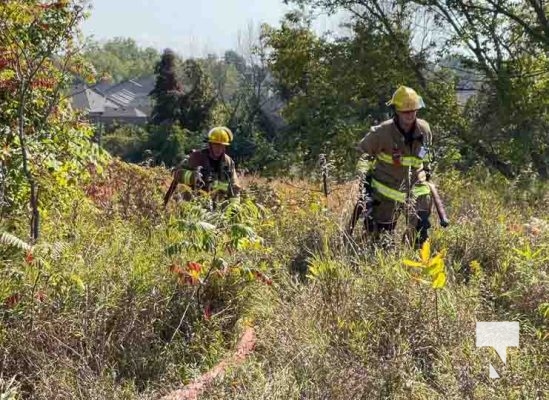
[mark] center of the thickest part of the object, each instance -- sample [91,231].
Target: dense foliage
[113,296]
[132,301]
[45,147]
[120,58]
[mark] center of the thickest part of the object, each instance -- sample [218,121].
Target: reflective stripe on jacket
[221,176]
[395,155]
[420,189]
[405,161]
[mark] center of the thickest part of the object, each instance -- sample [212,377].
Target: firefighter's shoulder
[383,126]
[423,124]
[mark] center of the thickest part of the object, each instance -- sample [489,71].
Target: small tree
[38,58]
[197,102]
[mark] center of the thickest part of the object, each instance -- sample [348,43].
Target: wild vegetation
[105,294]
[121,300]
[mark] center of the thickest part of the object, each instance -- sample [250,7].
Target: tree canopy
[44,144]
[121,58]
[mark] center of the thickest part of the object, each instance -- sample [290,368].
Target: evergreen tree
[167,91]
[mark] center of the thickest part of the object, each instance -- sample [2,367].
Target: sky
[190,27]
[193,28]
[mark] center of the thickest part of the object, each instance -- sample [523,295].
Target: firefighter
[401,149]
[210,169]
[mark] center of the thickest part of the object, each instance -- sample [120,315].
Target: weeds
[122,301]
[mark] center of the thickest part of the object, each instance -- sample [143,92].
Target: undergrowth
[124,300]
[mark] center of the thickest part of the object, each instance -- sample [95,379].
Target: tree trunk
[541,164]
[35,213]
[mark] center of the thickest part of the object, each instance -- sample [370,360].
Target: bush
[127,142]
[121,299]
[169,143]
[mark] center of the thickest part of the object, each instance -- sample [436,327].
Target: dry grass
[357,328]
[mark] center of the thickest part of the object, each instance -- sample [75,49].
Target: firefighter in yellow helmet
[401,149]
[210,169]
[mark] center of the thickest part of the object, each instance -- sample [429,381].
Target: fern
[35,253]
[54,250]
[7,239]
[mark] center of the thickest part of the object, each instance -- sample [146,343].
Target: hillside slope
[124,300]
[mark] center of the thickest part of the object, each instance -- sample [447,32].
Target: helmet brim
[421,105]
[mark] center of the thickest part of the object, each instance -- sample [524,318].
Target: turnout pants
[386,211]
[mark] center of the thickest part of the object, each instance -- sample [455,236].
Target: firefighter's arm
[427,142]
[191,174]
[234,181]
[184,173]
[370,142]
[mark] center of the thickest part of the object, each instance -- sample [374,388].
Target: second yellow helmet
[220,135]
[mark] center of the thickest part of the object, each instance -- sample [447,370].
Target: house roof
[131,91]
[128,99]
[123,112]
[102,86]
[463,95]
[86,98]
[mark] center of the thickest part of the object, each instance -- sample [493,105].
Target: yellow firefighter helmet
[406,99]
[220,135]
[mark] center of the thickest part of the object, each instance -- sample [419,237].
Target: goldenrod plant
[432,270]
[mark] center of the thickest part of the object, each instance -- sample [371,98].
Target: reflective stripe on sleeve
[187,177]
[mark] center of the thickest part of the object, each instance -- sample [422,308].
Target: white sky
[190,27]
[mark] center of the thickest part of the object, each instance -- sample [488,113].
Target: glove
[199,182]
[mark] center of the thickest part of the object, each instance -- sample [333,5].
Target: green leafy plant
[40,135]
[8,239]
[531,256]
[432,270]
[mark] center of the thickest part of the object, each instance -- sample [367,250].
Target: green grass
[108,307]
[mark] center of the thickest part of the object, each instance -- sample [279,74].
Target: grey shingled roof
[88,99]
[102,86]
[123,112]
[121,103]
[132,92]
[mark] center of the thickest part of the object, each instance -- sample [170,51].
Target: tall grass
[122,300]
